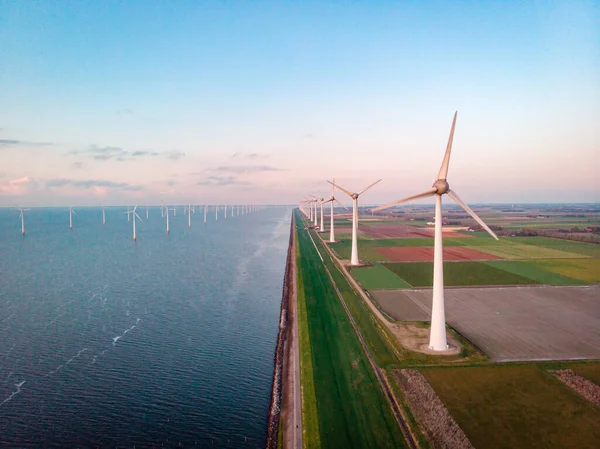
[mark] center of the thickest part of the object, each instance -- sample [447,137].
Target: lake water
[167,340]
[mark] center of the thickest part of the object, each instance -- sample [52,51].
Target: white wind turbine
[133,216]
[128,213]
[146,211]
[205,209]
[103,215]
[331,199]
[354,257]
[217,212]
[165,213]
[189,212]
[22,217]
[437,336]
[71,212]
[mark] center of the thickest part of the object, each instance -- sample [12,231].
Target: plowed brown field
[425,254]
[394,231]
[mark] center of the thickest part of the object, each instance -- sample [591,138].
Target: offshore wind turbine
[354,257]
[189,216]
[217,212]
[133,215]
[166,214]
[22,217]
[71,212]
[146,211]
[437,336]
[103,216]
[128,211]
[205,209]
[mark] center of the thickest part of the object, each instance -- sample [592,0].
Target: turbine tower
[165,211]
[205,208]
[71,212]
[103,216]
[133,216]
[437,336]
[331,199]
[146,211]
[354,257]
[22,217]
[217,212]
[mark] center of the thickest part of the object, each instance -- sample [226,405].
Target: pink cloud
[16,186]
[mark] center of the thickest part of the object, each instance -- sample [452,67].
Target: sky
[109,102]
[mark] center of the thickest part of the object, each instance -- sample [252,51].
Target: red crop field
[425,254]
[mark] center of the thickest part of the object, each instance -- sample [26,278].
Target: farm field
[423,254]
[585,249]
[351,408]
[378,276]
[515,406]
[510,249]
[590,371]
[457,274]
[531,270]
[512,323]
[587,270]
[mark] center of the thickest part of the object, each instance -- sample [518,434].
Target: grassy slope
[378,277]
[457,274]
[522,406]
[352,410]
[310,416]
[587,270]
[532,271]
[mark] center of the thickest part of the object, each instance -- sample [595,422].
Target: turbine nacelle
[441,186]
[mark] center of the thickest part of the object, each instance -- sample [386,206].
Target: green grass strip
[311,437]
[352,409]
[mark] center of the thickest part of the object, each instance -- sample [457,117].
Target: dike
[275,407]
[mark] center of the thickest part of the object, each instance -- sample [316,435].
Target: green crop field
[587,270]
[590,371]
[585,249]
[509,249]
[420,274]
[532,271]
[378,277]
[515,406]
[352,411]
[365,250]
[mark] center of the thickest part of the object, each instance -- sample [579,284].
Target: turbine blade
[452,194]
[444,168]
[343,205]
[341,188]
[425,194]
[332,188]
[137,216]
[367,188]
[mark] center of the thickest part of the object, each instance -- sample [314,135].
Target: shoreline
[282,351]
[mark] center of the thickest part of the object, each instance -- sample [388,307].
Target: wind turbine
[128,211]
[331,199]
[103,216]
[205,208]
[133,215]
[354,258]
[71,212]
[166,213]
[437,336]
[22,217]
[146,211]
[217,212]
[189,216]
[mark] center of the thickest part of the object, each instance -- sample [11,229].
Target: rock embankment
[440,427]
[275,407]
[581,385]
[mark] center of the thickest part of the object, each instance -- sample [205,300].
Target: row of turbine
[188,210]
[437,337]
